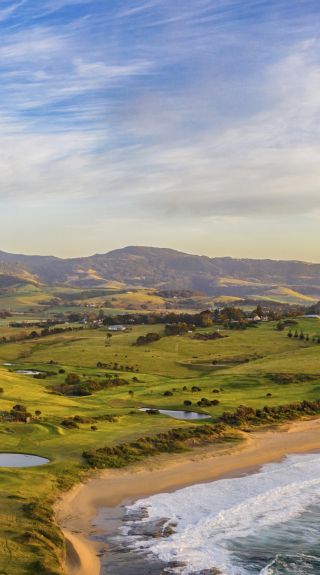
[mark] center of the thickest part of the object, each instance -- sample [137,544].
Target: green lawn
[171,364]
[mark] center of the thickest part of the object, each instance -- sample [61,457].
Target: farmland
[254,367]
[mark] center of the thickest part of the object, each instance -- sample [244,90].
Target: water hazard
[21,460]
[179,414]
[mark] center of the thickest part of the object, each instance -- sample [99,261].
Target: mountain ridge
[164,267]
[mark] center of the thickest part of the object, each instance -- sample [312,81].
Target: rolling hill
[170,269]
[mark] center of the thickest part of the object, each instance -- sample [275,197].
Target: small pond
[180,414]
[21,460]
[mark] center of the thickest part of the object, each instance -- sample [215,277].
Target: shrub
[72,379]
[146,339]
[70,424]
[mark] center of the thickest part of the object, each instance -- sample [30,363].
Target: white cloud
[201,119]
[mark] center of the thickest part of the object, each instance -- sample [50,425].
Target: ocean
[266,523]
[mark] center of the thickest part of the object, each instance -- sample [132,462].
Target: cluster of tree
[177,328]
[222,315]
[36,335]
[272,309]
[314,309]
[20,413]
[204,402]
[208,336]
[178,439]
[115,366]
[287,378]
[202,319]
[244,415]
[228,314]
[303,336]
[74,386]
[148,338]
[39,324]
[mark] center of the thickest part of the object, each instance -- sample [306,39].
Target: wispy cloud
[194,110]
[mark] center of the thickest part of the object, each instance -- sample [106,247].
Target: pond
[21,460]
[180,414]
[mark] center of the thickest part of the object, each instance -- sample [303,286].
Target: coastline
[76,510]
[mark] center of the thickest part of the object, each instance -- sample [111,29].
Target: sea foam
[210,518]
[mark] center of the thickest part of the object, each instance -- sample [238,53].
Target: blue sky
[192,124]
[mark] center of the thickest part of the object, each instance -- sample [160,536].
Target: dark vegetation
[289,378]
[180,439]
[36,335]
[146,339]
[208,336]
[73,385]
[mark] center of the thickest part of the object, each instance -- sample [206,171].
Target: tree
[258,311]
[72,379]
[176,329]
[206,318]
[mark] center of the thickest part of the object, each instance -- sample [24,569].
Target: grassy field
[249,358]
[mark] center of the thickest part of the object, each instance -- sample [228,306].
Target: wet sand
[77,510]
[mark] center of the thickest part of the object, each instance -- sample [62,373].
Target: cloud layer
[201,112]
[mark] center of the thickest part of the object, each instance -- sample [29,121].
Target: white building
[116,328]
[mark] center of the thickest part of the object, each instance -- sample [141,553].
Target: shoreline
[76,510]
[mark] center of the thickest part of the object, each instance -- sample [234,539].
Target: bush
[72,379]
[146,339]
[69,424]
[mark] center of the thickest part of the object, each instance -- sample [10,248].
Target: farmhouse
[116,328]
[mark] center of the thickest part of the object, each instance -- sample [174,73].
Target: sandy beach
[77,509]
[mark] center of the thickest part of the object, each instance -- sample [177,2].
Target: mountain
[170,269]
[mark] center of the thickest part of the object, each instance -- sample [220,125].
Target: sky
[190,124]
